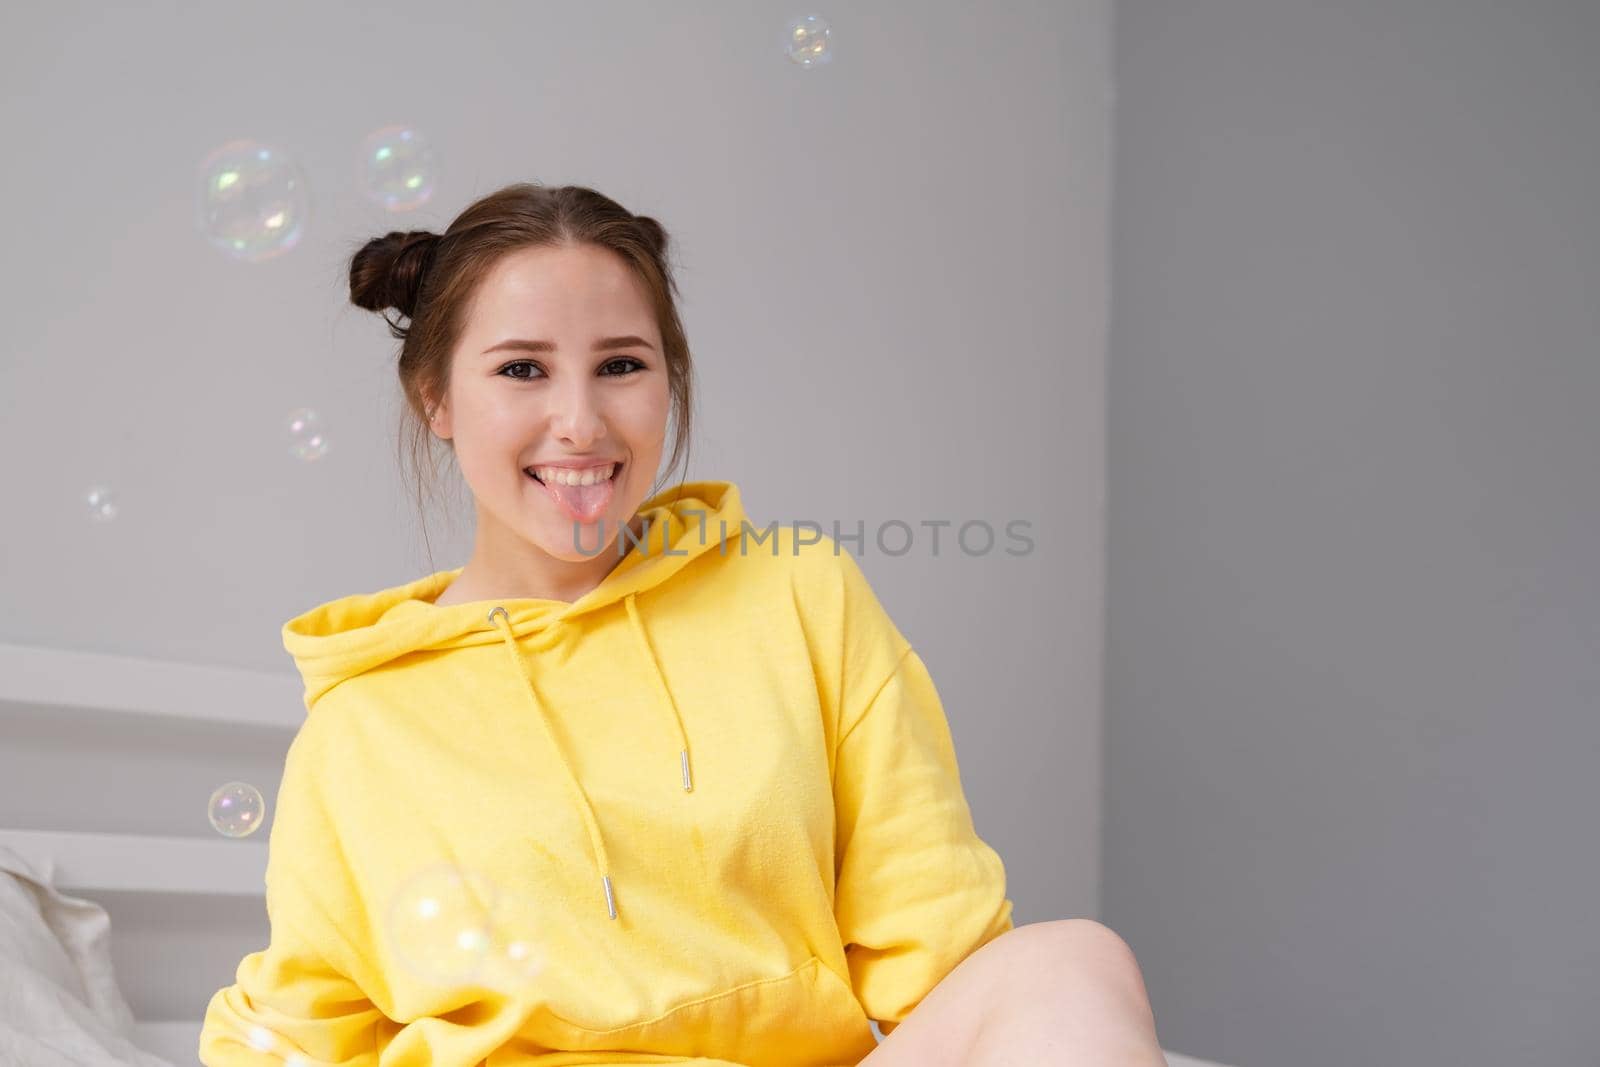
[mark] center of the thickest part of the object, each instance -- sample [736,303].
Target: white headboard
[107,765]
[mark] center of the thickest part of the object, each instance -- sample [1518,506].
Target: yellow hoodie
[707,813]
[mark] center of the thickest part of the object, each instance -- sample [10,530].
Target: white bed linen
[59,1001]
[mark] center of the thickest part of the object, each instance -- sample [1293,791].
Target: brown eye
[518,363]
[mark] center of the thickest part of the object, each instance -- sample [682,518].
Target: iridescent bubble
[806,41]
[264,1039]
[441,923]
[102,505]
[253,201]
[236,809]
[398,168]
[306,439]
[516,949]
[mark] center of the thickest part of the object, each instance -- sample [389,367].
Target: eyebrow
[524,345]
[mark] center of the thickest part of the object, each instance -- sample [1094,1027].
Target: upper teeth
[568,476]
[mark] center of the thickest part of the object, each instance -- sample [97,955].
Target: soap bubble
[398,168]
[516,944]
[806,41]
[264,1039]
[261,1039]
[441,922]
[253,200]
[306,440]
[236,809]
[102,505]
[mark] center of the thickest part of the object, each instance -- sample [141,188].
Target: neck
[505,565]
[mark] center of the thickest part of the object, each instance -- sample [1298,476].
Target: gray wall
[1353,588]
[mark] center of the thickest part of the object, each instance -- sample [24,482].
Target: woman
[641,782]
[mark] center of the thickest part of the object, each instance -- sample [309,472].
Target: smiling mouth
[616,469]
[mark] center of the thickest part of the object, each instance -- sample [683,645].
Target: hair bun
[654,233]
[388,271]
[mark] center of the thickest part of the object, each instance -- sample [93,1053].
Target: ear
[439,422]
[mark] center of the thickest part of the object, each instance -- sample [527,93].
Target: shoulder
[828,583]
[813,563]
[325,741]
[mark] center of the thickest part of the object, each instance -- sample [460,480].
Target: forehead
[579,287]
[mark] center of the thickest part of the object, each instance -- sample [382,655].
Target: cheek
[487,454]
[658,413]
[643,419]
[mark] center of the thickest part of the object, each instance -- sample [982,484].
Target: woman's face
[538,379]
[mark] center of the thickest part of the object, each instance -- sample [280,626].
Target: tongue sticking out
[582,503]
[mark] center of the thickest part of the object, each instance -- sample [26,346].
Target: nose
[577,417]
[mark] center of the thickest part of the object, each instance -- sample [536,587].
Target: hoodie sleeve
[917,889]
[297,994]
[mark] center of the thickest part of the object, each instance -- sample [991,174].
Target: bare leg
[940,1029]
[1081,1001]
[1062,992]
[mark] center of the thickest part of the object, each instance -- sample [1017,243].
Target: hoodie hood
[346,637]
[343,638]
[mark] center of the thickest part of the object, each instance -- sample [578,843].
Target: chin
[559,543]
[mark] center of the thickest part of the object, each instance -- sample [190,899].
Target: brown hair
[430,279]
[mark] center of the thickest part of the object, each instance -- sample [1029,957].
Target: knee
[1071,954]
